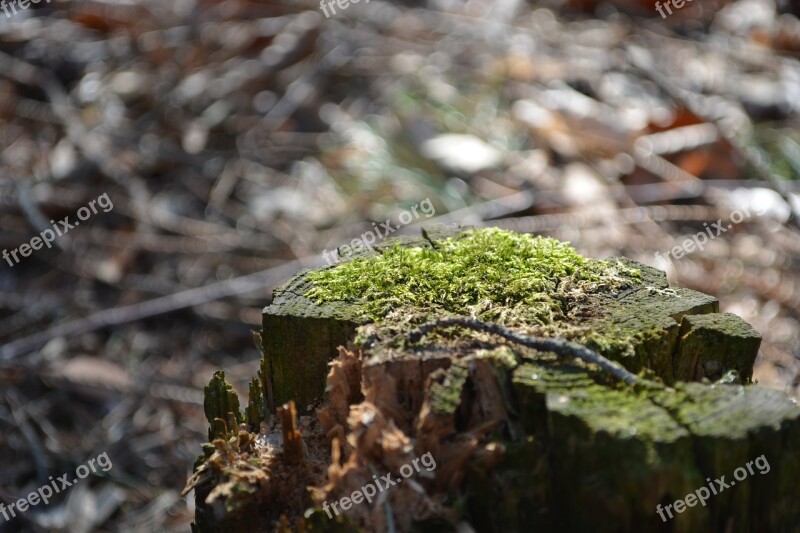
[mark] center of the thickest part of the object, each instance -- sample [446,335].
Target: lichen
[483,272]
[446,390]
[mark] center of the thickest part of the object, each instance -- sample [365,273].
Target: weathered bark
[298,339]
[523,440]
[618,455]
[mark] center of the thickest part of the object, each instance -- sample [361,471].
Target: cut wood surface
[471,346]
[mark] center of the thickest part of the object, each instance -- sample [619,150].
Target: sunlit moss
[484,271]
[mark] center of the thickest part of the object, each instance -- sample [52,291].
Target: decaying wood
[293,448]
[648,397]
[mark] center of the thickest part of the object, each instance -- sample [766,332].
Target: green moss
[641,329]
[446,393]
[483,271]
[256,411]
[219,403]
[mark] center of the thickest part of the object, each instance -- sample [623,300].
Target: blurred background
[239,139]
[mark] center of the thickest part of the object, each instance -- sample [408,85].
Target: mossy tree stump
[524,438]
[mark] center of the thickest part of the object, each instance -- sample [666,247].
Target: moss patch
[482,271]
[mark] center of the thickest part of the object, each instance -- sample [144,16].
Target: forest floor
[229,143]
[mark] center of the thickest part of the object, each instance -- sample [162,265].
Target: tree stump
[553,392]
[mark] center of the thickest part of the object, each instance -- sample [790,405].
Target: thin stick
[164,304]
[561,347]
